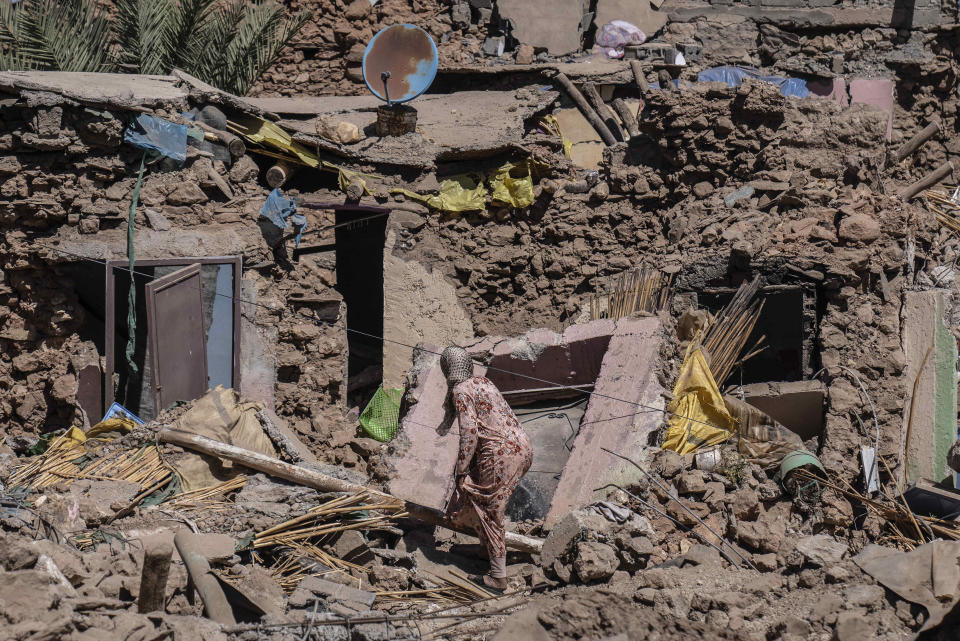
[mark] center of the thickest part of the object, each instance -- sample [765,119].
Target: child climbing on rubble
[494,455]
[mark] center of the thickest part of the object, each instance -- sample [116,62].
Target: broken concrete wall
[624,411]
[619,362]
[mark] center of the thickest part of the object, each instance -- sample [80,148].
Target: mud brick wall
[66,180]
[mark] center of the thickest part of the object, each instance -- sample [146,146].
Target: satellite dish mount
[399,64]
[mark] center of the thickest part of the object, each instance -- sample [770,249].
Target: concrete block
[797,405]
[628,373]
[426,454]
[572,358]
[933,428]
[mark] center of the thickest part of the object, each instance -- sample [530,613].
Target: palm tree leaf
[209,43]
[142,29]
[187,25]
[65,35]
[260,38]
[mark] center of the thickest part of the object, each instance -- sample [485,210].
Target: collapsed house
[297,257]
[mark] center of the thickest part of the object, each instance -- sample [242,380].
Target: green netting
[382,414]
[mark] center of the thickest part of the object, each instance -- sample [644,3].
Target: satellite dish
[400,63]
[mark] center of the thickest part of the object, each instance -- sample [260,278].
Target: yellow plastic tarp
[264,132]
[698,415]
[516,192]
[460,193]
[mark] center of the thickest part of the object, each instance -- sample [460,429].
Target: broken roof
[467,124]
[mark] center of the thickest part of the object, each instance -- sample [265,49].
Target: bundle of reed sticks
[726,333]
[66,461]
[337,515]
[945,207]
[207,498]
[642,290]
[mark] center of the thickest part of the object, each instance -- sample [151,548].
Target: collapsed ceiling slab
[472,124]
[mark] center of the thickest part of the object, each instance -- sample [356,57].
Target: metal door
[177,343]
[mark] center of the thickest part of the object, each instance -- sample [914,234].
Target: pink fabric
[495,453]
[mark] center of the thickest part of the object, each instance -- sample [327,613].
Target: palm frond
[208,43]
[11,58]
[142,31]
[260,38]
[64,35]
[186,28]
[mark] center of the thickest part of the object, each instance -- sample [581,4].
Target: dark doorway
[360,235]
[783,322]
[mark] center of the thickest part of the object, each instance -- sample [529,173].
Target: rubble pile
[722,304]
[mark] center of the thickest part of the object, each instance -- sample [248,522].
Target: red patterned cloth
[495,453]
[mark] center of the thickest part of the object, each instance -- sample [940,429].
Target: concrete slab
[877,92]
[586,149]
[470,121]
[426,455]
[933,428]
[637,12]
[573,358]
[797,405]
[627,374]
[120,90]
[553,25]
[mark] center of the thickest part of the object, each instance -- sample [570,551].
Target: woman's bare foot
[494,582]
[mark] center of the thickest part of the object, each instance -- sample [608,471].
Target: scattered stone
[595,561]
[821,550]
[525,55]
[859,228]
[702,189]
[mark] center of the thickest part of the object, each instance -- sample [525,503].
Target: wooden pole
[215,604]
[232,142]
[279,173]
[639,78]
[316,480]
[917,141]
[595,121]
[157,551]
[629,120]
[931,179]
[603,110]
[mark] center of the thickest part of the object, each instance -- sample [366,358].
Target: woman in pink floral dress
[495,453]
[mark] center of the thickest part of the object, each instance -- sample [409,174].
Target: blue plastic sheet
[158,135]
[734,76]
[279,211]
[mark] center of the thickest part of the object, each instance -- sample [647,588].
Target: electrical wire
[413,347]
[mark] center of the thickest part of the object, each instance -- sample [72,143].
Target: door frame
[110,313]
